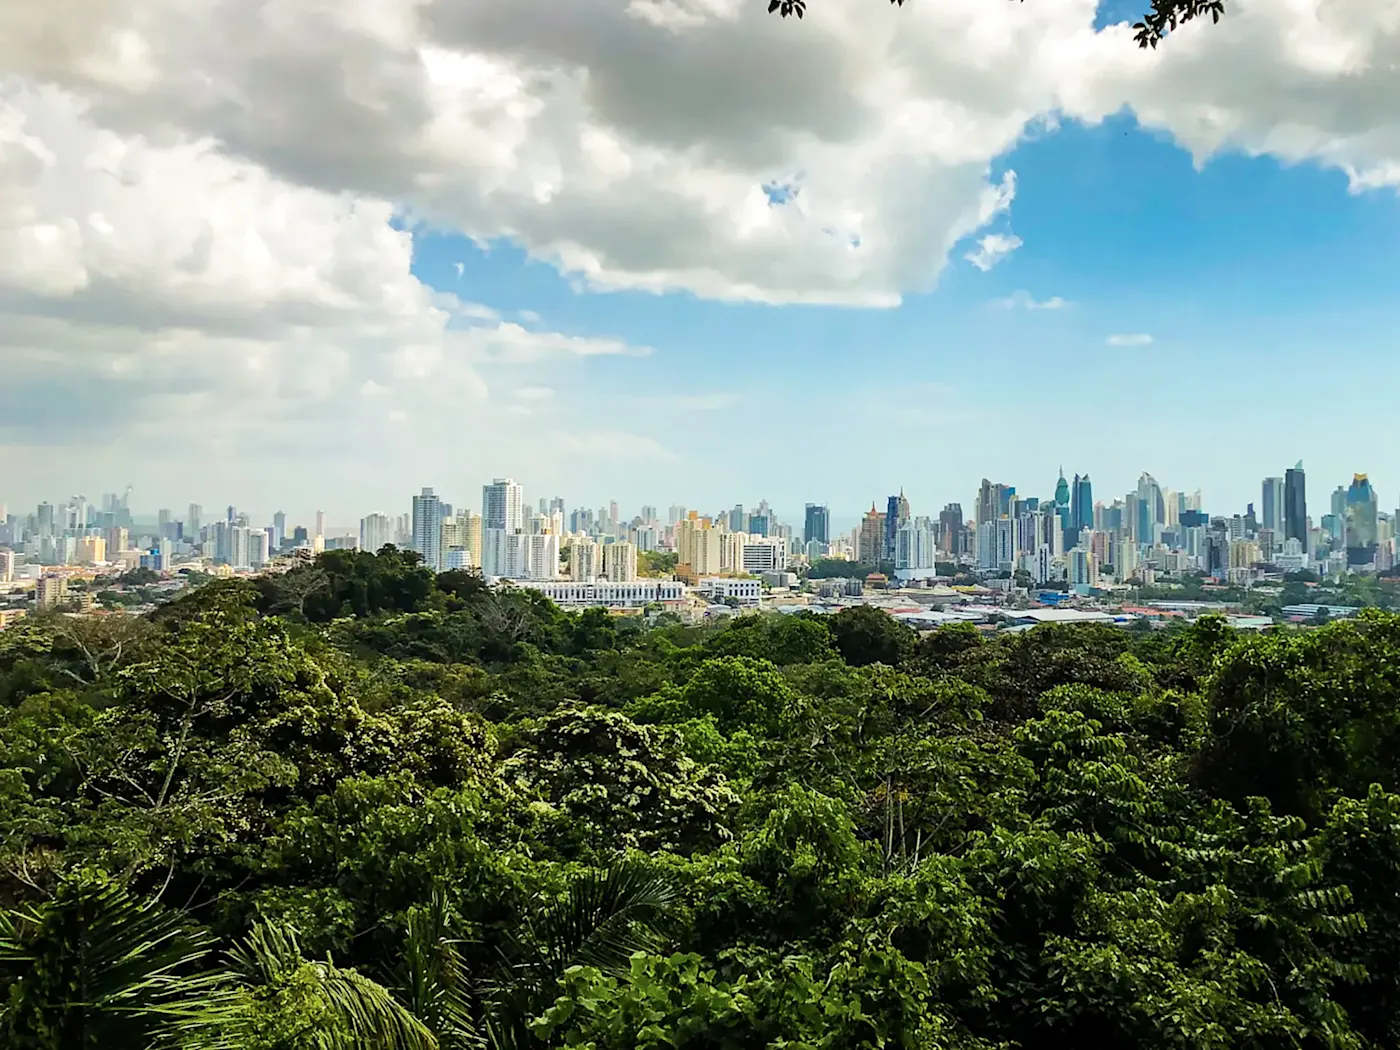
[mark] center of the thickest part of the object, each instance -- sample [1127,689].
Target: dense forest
[361,806]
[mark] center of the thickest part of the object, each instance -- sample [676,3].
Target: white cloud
[204,204]
[1124,340]
[1021,300]
[534,393]
[992,249]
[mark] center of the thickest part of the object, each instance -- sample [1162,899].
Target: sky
[308,256]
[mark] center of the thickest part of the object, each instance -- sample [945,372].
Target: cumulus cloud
[1126,340]
[205,205]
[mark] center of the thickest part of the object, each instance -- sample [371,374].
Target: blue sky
[396,283]
[1268,291]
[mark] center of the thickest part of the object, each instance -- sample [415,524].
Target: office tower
[7,566]
[612,516]
[1005,544]
[620,562]
[816,524]
[502,505]
[376,531]
[1271,505]
[1361,522]
[1083,568]
[1152,509]
[1295,504]
[544,506]
[427,527]
[1081,509]
[871,546]
[951,539]
[320,523]
[737,519]
[279,530]
[676,514]
[896,514]
[988,501]
[585,561]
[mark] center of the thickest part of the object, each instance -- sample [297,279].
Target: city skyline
[840,517]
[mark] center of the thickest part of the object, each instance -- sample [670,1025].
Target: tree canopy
[361,805]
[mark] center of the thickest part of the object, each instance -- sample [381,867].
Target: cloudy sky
[303,253]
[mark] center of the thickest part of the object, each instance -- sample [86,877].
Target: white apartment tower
[427,529]
[376,530]
[620,562]
[584,561]
[502,505]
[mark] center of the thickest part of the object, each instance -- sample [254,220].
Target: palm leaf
[95,964]
[602,919]
[360,1014]
[433,976]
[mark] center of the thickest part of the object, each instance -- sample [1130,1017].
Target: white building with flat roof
[717,588]
[633,594]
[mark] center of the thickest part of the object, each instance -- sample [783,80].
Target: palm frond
[94,956]
[603,919]
[433,976]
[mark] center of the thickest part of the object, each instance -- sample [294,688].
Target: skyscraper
[896,513]
[427,528]
[871,547]
[1062,508]
[1081,510]
[376,530]
[193,519]
[1361,519]
[816,526]
[502,505]
[1295,505]
[1271,505]
[279,529]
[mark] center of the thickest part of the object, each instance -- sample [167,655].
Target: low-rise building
[628,594]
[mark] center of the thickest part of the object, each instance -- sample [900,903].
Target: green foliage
[866,635]
[368,807]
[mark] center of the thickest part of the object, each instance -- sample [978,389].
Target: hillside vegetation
[361,806]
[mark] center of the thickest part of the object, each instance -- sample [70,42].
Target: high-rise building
[1081,509]
[896,514]
[427,528]
[376,531]
[620,562]
[585,557]
[7,566]
[502,505]
[1295,505]
[1361,521]
[279,530]
[1062,501]
[1271,505]
[916,548]
[871,547]
[816,525]
[320,523]
[698,545]
[952,537]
